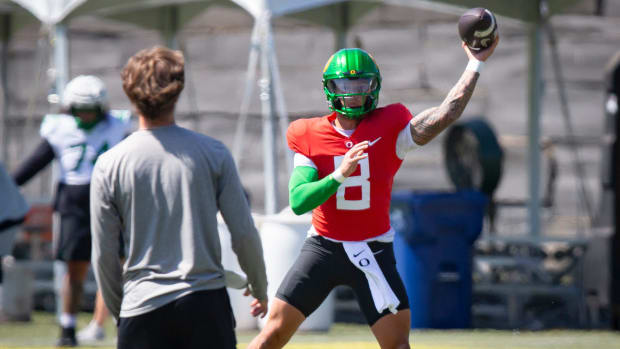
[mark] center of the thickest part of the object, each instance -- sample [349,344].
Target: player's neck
[345,123]
[163,120]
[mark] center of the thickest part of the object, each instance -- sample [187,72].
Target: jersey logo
[370,144]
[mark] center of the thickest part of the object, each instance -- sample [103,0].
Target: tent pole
[255,46]
[343,28]
[269,130]
[61,65]
[568,124]
[5,37]
[341,39]
[61,57]
[171,26]
[279,102]
[534,108]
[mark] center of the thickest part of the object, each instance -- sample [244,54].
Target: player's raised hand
[481,55]
[258,307]
[355,154]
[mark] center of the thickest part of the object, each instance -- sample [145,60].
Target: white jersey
[77,149]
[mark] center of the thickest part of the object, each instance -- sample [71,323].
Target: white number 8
[354,181]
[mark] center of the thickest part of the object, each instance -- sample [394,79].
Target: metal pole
[279,102]
[568,123]
[171,26]
[269,121]
[61,65]
[6,36]
[343,28]
[615,239]
[534,108]
[341,39]
[61,57]
[614,112]
[255,47]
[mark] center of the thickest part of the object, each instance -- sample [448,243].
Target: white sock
[67,320]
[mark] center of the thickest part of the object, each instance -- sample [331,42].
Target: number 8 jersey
[360,208]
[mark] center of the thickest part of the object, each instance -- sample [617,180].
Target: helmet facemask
[351,82]
[86,98]
[352,97]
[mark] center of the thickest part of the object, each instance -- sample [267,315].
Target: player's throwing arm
[429,123]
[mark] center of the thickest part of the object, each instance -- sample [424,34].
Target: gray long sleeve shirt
[162,189]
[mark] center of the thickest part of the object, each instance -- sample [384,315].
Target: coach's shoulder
[203,139]
[116,153]
[208,145]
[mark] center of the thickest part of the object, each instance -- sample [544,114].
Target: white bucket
[17,298]
[283,235]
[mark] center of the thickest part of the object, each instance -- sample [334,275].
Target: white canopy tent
[341,14]
[166,15]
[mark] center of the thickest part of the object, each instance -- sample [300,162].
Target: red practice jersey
[360,208]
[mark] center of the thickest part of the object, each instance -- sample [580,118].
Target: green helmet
[351,81]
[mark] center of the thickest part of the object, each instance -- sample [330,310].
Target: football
[478,28]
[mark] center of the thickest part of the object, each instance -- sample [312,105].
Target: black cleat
[67,337]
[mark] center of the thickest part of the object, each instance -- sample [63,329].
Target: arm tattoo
[429,123]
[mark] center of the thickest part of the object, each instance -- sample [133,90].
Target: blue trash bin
[433,250]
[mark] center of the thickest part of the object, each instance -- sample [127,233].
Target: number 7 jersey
[77,149]
[360,208]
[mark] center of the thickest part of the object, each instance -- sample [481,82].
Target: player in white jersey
[75,139]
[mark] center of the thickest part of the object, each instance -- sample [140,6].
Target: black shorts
[202,319]
[74,241]
[324,264]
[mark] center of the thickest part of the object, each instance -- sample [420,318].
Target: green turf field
[41,333]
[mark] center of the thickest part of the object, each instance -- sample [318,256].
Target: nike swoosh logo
[377,252]
[370,144]
[359,253]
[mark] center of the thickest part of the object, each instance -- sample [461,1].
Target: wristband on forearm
[338,176]
[475,65]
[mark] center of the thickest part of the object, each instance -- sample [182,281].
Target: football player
[345,164]
[75,139]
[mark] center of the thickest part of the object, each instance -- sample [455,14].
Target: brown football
[478,28]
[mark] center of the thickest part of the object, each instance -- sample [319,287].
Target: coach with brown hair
[161,188]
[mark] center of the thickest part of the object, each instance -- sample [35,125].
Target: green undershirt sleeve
[306,192]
